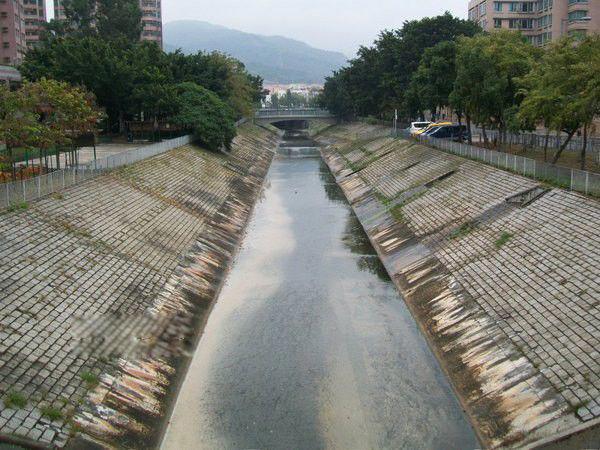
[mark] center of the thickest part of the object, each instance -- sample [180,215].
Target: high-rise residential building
[542,21]
[151,19]
[20,26]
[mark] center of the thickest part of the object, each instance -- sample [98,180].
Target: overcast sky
[328,24]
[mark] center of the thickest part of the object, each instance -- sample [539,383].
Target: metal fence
[267,113]
[535,140]
[19,192]
[573,179]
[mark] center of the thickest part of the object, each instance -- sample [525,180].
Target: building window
[497,23]
[498,6]
[521,7]
[578,34]
[520,24]
[482,8]
[578,15]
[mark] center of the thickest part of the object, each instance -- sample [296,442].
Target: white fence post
[571,179]
[587,182]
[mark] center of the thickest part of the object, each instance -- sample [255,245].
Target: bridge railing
[268,113]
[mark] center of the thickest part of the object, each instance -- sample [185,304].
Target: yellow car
[433,125]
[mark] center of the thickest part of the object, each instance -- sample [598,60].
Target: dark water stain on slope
[309,345]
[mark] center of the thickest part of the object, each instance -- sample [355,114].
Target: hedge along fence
[576,180]
[17,193]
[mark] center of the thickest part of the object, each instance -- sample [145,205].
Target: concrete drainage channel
[308,343]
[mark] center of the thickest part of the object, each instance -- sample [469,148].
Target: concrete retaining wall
[105,286]
[506,292]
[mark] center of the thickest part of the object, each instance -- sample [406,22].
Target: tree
[433,82]
[19,125]
[377,80]
[45,114]
[111,19]
[203,112]
[65,112]
[488,67]
[222,74]
[108,69]
[563,90]
[336,96]
[119,19]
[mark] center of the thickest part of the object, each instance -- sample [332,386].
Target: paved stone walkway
[527,276]
[83,284]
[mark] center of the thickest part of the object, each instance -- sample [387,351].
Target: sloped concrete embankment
[500,273]
[105,287]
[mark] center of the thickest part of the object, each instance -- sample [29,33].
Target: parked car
[455,132]
[430,127]
[416,126]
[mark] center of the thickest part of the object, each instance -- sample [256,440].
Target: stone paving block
[533,270]
[81,273]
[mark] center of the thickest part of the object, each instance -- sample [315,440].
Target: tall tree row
[97,46]
[377,81]
[494,80]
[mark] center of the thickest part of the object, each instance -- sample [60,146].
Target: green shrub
[15,400]
[202,111]
[90,378]
[51,413]
[503,239]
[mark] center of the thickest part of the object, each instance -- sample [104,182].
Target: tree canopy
[206,114]
[377,81]
[562,91]
[97,46]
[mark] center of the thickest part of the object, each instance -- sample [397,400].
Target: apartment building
[20,26]
[151,19]
[542,21]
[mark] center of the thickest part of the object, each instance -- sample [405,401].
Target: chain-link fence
[19,192]
[573,179]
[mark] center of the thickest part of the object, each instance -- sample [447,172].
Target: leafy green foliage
[377,81]
[111,19]
[51,413]
[129,79]
[562,91]
[211,119]
[222,74]
[90,378]
[434,79]
[488,68]
[15,400]
[44,114]
[503,239]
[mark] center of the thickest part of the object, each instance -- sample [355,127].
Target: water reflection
[333,191]
[354,237]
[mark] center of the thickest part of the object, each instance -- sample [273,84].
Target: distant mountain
[275,58]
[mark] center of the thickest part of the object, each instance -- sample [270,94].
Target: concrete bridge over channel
[291,116]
